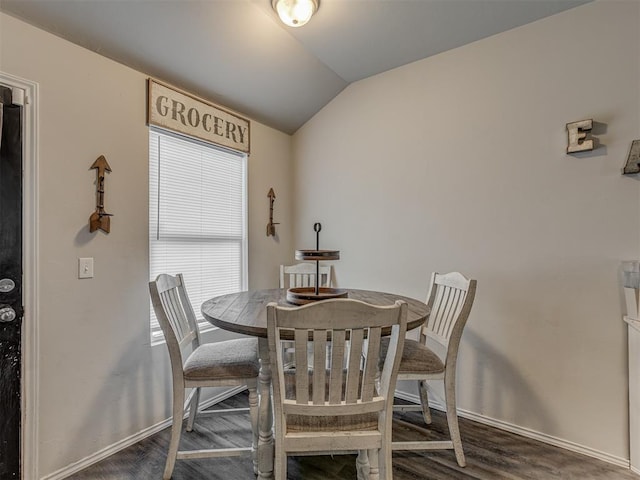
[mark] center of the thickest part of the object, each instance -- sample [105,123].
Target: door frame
[30,341]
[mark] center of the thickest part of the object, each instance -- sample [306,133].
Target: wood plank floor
[491,454]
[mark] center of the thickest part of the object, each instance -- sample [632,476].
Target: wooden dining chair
[450,299]
[335,408]
[304,275]
[195,365]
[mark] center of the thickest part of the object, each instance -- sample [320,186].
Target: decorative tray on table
[304,295]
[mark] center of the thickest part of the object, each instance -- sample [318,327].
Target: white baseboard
[127,442]
[525,432]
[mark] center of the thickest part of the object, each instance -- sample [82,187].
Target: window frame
[156,334]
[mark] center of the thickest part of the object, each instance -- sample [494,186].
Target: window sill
[157,337]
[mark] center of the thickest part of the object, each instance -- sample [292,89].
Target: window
[197,218]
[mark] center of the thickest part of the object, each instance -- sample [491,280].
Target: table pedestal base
[265,436]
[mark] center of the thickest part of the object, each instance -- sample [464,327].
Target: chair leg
[374,464]
[193,409]
[176,429]
[362,465]
[279,463]
[424,400]
[452,420]
[253,412]
[386,460]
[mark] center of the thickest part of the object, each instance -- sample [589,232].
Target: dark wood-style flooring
[491,454]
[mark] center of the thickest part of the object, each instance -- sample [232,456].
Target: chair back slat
[444,312]
[302,280]
[319,366]
[302,375]
[338,350]
[304,275]
[355,360]
[343,333]
[175,316]
[455,308]
[372,361]
[450,298]
[437,318]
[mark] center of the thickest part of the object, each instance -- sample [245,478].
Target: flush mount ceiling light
[295,13]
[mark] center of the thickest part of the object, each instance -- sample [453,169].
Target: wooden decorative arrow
[100,219]
[271,227]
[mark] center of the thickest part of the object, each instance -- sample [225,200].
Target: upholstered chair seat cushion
[228,359]
[416,358]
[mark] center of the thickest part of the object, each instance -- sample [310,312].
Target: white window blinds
[197,218]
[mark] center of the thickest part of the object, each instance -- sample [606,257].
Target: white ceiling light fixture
[295,13]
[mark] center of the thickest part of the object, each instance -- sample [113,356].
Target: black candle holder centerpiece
[304,295]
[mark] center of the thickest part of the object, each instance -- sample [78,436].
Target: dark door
[10,284]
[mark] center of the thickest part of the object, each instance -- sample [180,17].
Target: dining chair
[335,408]
[435,355]
[304,275]
[195,365]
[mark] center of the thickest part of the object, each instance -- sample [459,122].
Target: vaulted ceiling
[236,52]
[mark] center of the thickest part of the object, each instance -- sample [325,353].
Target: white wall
[458,162]
[100,380]
[270,167]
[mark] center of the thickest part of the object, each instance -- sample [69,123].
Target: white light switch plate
[85,267]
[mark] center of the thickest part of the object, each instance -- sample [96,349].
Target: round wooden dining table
[246,313]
